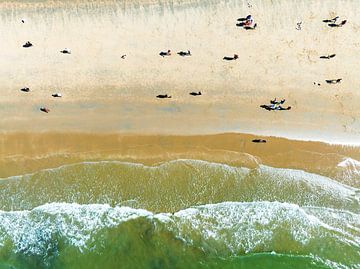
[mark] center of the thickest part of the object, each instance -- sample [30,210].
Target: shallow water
[109,214]
[172,186]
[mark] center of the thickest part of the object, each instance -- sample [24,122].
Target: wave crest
[223,229]
[172,186]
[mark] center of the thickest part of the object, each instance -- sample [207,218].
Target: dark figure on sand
[247,23]
[65,51]
[44,109]
[227,58]
[163,96]
[27,45]
[184,53]
[275,107]
[333,20]
[123,56]
[338,24]
[333,81]
[26,89]
[328,56]
[248,20]
[195,93]
[56,95]
[163,54]
[259,140]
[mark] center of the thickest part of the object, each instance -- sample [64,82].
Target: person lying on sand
[328,56]
[184,53]
[227,58]
[195,93]
[333,20]
[65,51]
[163,96]
[44,109]
[56,95]
[259,140]
[26,89]
[274,107]
[333,81]
[27,45]
[163,54]
[123,56]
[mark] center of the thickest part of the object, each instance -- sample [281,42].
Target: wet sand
[22,153]
[104,93]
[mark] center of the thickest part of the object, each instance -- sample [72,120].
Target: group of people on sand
[276,105]
[181,53]
[333,22]
[162,96]
[247,23]
[44,109]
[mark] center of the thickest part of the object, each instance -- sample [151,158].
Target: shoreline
[23,153]
[154,134]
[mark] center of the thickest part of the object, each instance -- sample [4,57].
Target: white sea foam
[32,231]
[251,224]
[352,165]
[234,226]
[162,165]
[315,182]
[349,162]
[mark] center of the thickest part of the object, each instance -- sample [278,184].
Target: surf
[58,234]
[172,186]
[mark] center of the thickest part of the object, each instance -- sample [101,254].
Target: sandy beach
[104,93]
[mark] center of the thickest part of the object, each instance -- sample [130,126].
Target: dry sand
[104,93]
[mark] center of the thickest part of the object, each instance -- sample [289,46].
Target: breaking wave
[49,233]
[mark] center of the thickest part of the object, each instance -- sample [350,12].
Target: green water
[181,214]
[99,236]
[172,186]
